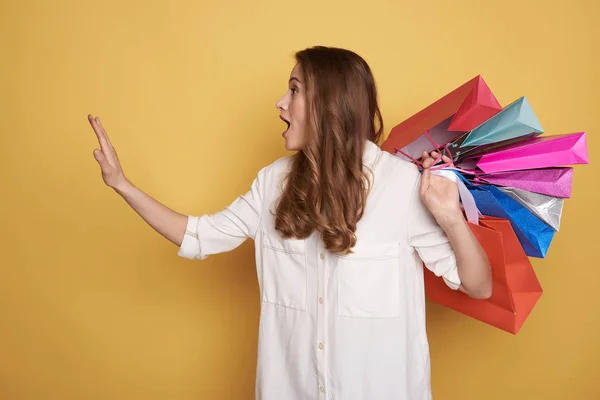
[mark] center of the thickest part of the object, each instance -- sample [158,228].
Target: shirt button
[321,300]
[322,389]
[322,256]
[321,346]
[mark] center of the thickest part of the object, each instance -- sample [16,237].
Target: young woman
[341,230]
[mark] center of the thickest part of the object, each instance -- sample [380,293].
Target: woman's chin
[291,144]
[290,147]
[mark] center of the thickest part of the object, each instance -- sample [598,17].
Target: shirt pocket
[284,271]
[369,282]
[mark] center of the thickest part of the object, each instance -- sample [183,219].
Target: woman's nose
[281,104]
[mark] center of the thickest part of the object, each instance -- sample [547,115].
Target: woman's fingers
[432,158]
[104,145]
[99,156]
[448,161]
[103,132]
[427,160]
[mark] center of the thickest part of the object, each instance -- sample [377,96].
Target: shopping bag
[536,153]
[547,208]
[515,123]
[444,120]
[555,182]
[515,287]
[534,234]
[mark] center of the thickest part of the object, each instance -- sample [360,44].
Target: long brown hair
[327,186]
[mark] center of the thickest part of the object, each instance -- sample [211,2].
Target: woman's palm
[107,158]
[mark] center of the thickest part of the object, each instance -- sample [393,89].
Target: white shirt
[338,327]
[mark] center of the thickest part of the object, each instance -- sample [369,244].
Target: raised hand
[107,158]
[439,194]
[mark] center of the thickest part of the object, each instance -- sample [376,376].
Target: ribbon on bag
[466,198]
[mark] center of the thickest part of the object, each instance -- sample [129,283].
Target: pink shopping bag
[540,152]
[555,182]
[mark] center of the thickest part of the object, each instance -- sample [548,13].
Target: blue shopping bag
[533,233]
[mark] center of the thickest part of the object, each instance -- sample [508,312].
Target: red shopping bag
[516,288]
[440,123]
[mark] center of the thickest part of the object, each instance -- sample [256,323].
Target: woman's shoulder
[273,173]
[279,166]
[398,169]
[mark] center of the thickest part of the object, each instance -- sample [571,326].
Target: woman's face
[292,111]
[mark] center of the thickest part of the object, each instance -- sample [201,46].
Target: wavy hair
[327,185]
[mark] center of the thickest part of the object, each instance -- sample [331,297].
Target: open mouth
[286,122]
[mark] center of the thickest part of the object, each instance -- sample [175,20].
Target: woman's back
[350,325]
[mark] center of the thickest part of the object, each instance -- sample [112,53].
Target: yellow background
[95,305]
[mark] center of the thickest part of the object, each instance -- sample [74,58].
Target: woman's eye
[294,90]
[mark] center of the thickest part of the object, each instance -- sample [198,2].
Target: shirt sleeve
[227,229]
[429,239]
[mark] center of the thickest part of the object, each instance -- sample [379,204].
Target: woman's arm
[164,220]
[440,195]
[472,261]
